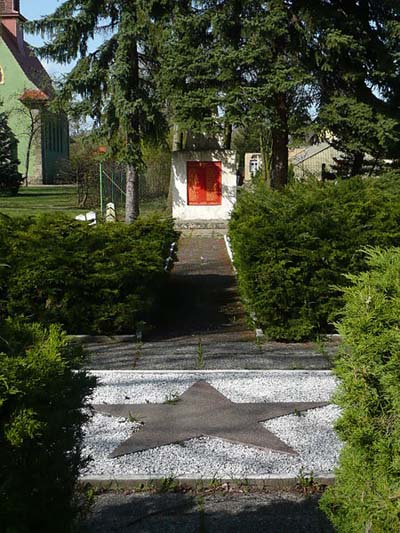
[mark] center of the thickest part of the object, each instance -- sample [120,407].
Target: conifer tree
[10,178]
[114,84]
[356,50]
[239,63]
[264,62]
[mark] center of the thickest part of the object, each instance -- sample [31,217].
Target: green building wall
[55,144]
[15,82]
[51,142]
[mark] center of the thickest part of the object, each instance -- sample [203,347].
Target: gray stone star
[203,411]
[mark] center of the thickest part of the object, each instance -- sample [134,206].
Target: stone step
[201,224]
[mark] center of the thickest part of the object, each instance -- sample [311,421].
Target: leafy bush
[292,247]
[103,279]
[42,393]
[366,496]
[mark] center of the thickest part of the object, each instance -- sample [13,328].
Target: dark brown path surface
[203,314]
[203,295]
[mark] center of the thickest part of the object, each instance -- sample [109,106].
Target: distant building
[307,160]
[310,160]
[25,91]
[252,164]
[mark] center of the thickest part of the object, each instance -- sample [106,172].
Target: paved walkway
[205,328]
[205,320]
[220,512]
[203,296]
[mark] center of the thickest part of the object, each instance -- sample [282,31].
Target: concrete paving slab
[213,351]
[278,512]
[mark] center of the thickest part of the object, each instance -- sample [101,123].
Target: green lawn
[61,199]
[35,200]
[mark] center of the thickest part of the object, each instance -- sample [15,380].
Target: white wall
[180,208]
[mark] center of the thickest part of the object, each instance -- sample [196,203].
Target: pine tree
[115,84]
[239,63]
[356,48]
[10,178]
[264,63]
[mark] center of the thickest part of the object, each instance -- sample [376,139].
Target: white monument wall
[180,208]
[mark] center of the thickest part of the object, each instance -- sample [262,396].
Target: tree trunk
[228,136]
[358,161]
[132,194]
[280,141]
[130,87]
[266,149]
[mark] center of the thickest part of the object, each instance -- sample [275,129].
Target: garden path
[204,324]
[205,330]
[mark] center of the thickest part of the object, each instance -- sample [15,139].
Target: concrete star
[203,411]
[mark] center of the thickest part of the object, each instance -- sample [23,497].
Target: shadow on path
[217,513]
[202,296]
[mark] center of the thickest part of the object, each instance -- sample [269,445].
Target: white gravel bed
[311,434]
[244,386]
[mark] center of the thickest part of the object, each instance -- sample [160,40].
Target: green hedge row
[366,496]
[292,248]
[42,392]
[97,280]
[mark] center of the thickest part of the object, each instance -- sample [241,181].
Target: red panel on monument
[204,182]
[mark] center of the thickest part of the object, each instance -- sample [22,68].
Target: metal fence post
[101,186]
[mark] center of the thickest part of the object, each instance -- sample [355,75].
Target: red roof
[34,95]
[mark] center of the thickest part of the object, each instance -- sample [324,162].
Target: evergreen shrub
[42,395]
[293,247]
[10,178]
[95,280]
[366,496]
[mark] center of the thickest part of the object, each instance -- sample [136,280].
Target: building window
[16,6]
[254,166]
[1,75]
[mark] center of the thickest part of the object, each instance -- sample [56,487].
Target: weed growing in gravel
[215,483]
[321,348]
[245,485]
[200,355]
[306,483]
[134,420]
[137,353]
[169,484]
[172,398]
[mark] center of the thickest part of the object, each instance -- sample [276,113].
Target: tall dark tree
[357,48]
[239,63]
[264,62]
[114,84]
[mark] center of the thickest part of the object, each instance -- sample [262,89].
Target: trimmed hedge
[366,496]
[293,247]
[42,392]
[96,280]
